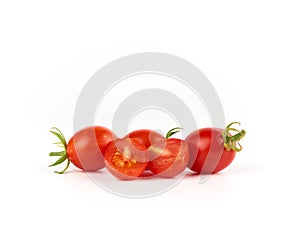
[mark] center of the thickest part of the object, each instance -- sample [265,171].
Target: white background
[250,52]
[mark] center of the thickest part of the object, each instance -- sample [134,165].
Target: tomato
[146,137]
[85,149]
[126,158]
[168,157]
[213,149]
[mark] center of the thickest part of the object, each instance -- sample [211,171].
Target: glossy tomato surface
[207,152]
[146,137]
[86,148]
[126,158]
[168,157]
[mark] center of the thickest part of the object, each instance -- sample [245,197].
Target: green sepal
[173,131]
[66,168]
[59,161]
[60,137]
[62,154]
[57,153]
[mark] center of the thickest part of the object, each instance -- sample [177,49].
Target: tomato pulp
[146,137]
[126,158]
[168,157]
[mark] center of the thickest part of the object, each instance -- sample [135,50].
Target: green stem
[238,136]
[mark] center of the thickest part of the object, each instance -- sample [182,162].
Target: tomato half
[146,137]
[168,157]
[212,149]
[126,158]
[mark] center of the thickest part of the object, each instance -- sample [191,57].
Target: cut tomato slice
[126,158]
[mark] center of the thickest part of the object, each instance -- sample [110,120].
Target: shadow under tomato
[83,172]
[147,174]
[192,174]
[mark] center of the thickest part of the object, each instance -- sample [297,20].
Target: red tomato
[126,158]
[85,149]
[145,136]
[213,149]
[168,157]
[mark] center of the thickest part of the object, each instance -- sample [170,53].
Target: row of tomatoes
[207,150]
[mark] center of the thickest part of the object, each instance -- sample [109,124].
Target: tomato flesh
[126,158]
[86,148]
[168,157]
[207,152]
[146,137]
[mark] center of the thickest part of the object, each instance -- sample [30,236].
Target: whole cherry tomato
[85,149]
[213,149]
[168,157]
[126,158]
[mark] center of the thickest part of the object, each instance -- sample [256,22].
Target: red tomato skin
[171,157]
[138,152]
[145,136]
[87,146]
[207,152]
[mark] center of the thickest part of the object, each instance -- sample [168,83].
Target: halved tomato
[146,137]
[126,158]
[168,158]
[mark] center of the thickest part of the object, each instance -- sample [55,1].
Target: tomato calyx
[232,141]
[63,156]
